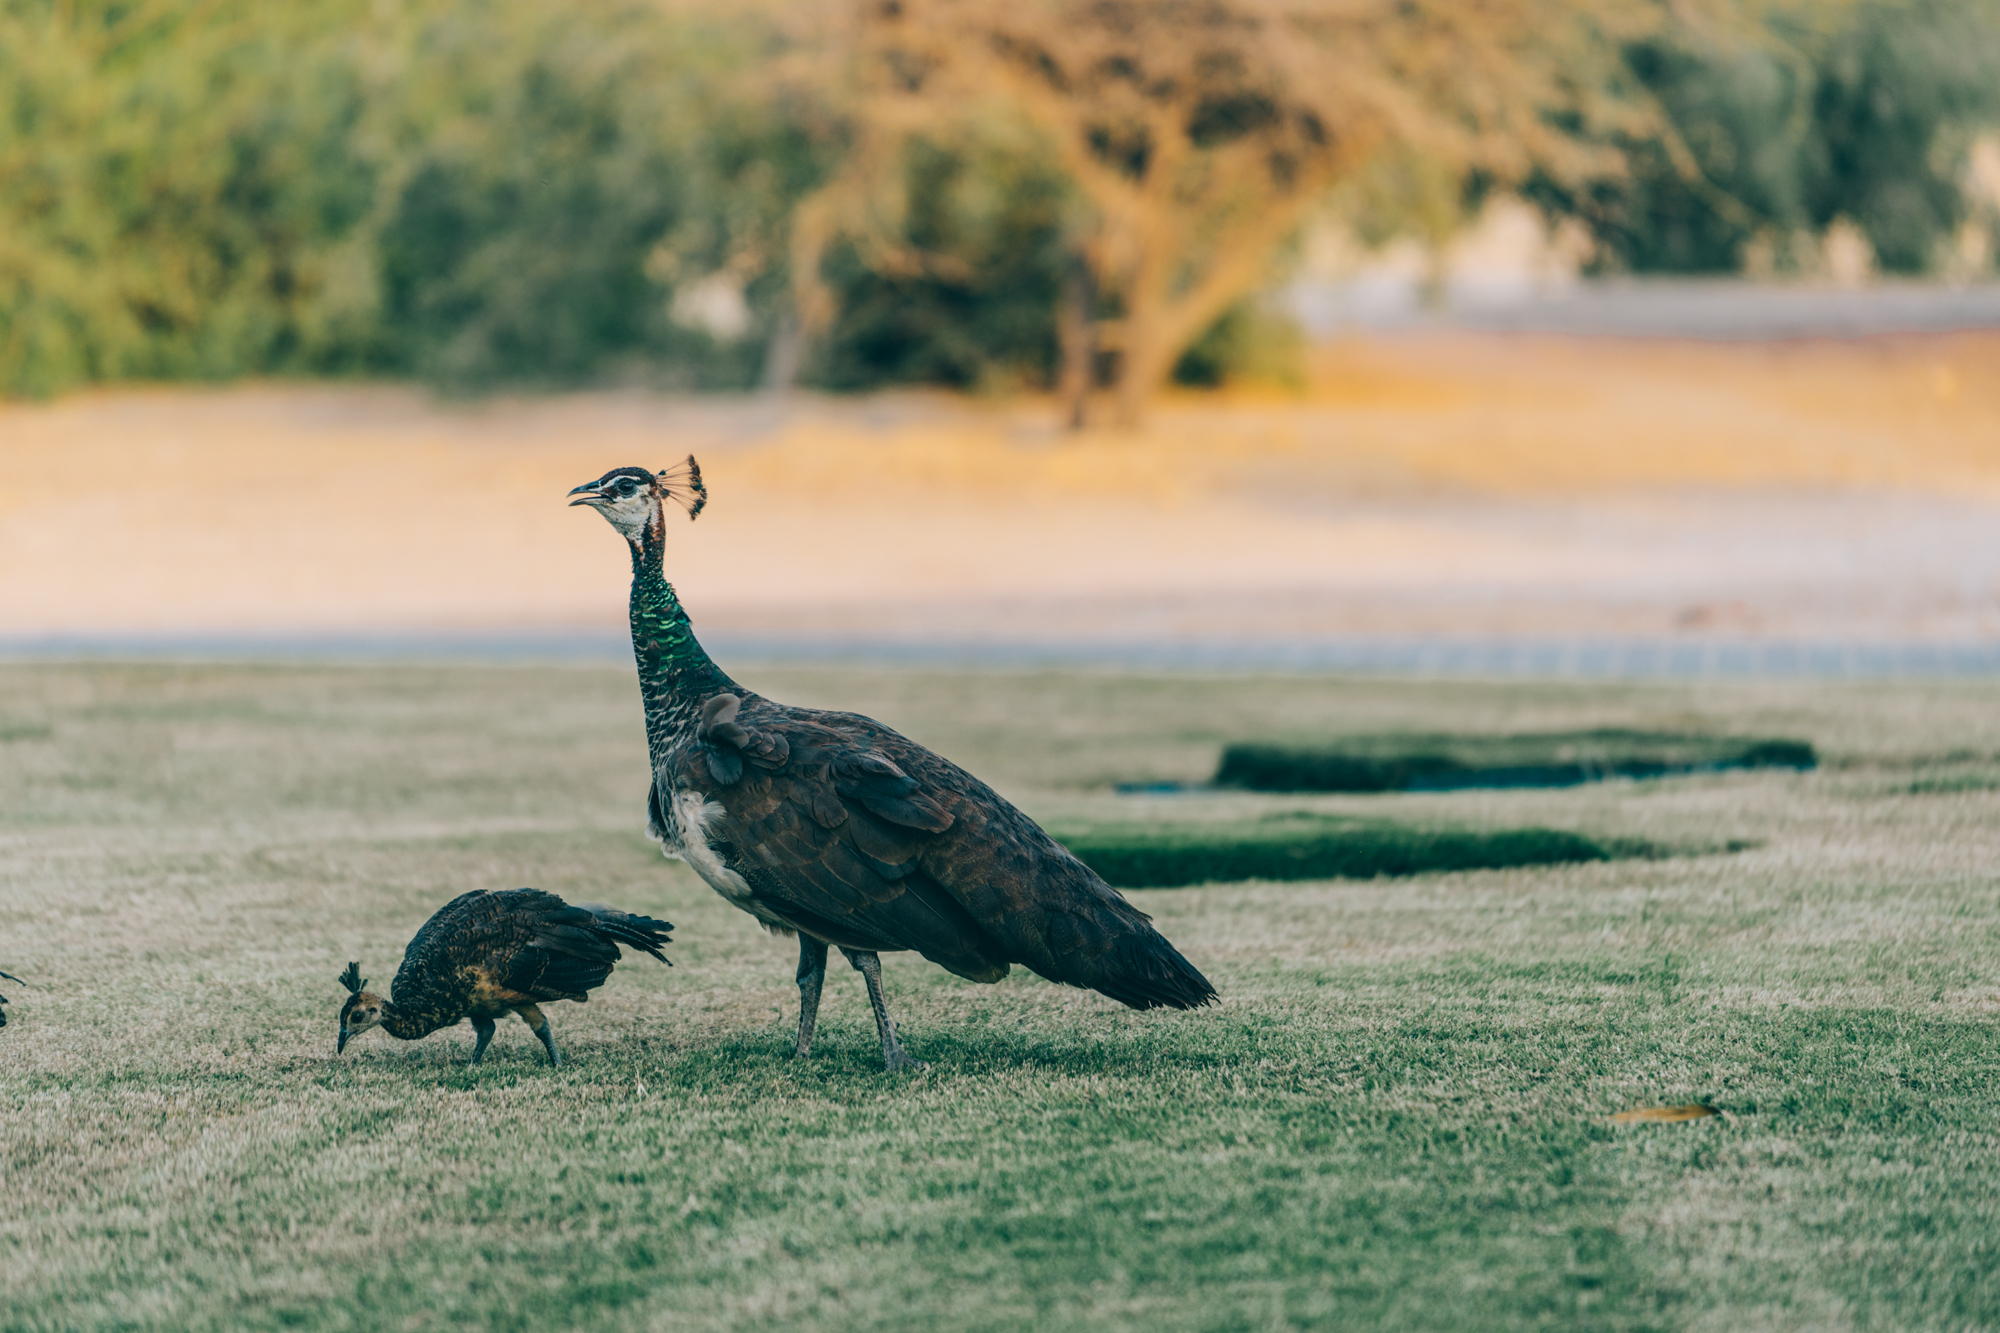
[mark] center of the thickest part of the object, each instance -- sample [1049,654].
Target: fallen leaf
[1648,1115]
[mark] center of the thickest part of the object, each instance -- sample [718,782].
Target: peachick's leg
[812,972]
[532,1016]
[870,968]
[484,1028]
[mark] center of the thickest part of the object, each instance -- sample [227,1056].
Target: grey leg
[870,968]
[812,972]
[484,1028]
[532,1016]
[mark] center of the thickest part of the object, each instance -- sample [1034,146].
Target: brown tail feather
[635,932]
[1146,972]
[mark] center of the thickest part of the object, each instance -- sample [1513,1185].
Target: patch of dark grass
[1306,845]
[1446,763]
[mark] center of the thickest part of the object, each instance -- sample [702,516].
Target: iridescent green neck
[676,673]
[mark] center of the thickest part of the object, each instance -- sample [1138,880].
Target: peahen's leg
[812,973]
[483,1027]
[539,1025]
[870,968]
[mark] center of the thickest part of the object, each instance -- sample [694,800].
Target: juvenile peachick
[833,827]
[487,954]
[3,999]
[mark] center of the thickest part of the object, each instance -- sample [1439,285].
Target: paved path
[1536,658]
[1668,308]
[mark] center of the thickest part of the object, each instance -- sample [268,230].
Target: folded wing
[853,833]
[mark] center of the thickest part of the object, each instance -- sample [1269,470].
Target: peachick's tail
[637,932]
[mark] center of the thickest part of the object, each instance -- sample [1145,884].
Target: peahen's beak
[340,1045]
[586,494]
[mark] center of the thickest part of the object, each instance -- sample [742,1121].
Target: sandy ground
[1425,484]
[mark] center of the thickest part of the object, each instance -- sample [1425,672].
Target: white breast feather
[690,812]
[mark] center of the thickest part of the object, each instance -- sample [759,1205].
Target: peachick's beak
[341,1045]
[586,494]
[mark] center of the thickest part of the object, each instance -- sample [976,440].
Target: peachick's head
[362,1009]
[634,500]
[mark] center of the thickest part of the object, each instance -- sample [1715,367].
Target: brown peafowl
[3,999]
[835,828]
[485,954]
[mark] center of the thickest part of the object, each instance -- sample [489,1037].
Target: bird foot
[897,1060]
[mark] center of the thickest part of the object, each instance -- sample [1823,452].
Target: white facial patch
[629,514]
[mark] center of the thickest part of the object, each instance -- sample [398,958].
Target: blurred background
[1537,336]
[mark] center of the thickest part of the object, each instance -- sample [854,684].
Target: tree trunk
[782,356]
[1145,360]
[1079,348]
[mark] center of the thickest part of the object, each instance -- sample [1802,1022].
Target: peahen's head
[634,500]
[362,1009]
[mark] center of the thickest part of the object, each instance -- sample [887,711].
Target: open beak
[340,1045]
[586,494]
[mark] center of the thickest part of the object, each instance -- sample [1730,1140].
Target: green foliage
[1868,121]
[486,191]
[516,247]
[1250,344]
[1305,845]
[173,187]
[466,191]
[964,290]
[568,176]
[1548,759]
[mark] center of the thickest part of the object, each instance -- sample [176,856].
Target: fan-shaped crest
[351,978]
[683,485]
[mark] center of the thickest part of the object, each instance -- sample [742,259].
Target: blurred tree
[1200,131]
[1770,132]
[1067,191]
[468,190]
[571,169]
[589,186]
[174,183]
[960,286]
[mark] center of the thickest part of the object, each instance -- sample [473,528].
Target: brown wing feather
[514,947]
[854,833]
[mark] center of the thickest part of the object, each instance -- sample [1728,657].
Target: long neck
[675,673]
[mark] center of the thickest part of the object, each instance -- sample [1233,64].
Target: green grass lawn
[1397,1118]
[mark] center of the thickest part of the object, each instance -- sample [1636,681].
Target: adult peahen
[835,828]
[485,954]
[3,999]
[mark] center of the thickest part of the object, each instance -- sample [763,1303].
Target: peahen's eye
[627,486]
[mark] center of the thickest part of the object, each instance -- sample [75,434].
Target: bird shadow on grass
[952,1052]
[976,1044]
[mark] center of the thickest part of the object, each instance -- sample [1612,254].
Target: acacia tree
[1198,133]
